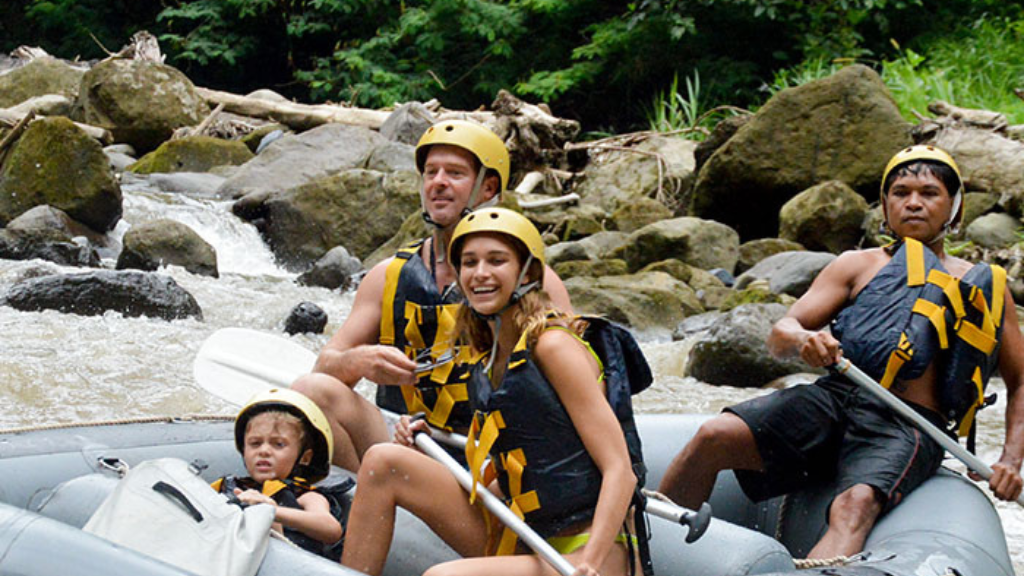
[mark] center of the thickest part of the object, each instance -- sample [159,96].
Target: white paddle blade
[236,363]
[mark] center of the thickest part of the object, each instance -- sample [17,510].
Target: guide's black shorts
[832,430]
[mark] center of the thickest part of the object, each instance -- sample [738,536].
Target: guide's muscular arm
[1006,482]
[354,352]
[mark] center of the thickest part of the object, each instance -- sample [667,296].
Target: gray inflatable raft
[56,478]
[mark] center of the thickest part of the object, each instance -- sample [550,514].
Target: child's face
[271,448]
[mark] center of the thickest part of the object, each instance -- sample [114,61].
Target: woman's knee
[382,463]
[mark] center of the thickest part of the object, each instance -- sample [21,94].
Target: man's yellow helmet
[931,154]
[477,139]
[498,221]
[318,431]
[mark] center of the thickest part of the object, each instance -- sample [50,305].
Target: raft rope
[805,563]
[123,421]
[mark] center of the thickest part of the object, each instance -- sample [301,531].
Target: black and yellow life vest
[419,320]
[540,461]
[286,493]
[913,312]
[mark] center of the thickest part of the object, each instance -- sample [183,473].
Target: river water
[62,368]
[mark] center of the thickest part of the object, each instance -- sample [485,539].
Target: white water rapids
[61,368]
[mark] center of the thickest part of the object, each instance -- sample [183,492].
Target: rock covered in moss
[756,250]
[647,301]
[827,216]
[702,243]
[193,154]
[141,102]
[590,268]
[56,163]
[163,242]
[39,77]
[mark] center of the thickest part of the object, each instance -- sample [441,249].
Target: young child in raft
[286,443]
[541,387]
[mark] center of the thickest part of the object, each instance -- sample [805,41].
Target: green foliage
[72,28]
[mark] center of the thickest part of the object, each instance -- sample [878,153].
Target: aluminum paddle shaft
[868,383]
[495,506]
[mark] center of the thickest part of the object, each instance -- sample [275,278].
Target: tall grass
[977,66]
[672,110]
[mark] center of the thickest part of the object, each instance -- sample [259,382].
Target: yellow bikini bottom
[569,544]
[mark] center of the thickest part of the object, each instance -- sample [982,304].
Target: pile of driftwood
[536,138]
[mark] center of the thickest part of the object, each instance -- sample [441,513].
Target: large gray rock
[49,234]
[639,213]
[334,270]
[570,223]
[191,183]
[39,77]
[733,351]
[141,102]
[357,209]
[826,217]
[845,127]
[56,163]
[615,177]
[977,204]
[650,301]
[163,242]
[294,160]
[996,230]
[702,243]
[129,292]
[407,123]
[988,162]
[787,272]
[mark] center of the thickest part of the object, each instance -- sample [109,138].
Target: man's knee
[724,433]
[379,464]
[858,504]
[322,389]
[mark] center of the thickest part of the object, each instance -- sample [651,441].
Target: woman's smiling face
[489,270]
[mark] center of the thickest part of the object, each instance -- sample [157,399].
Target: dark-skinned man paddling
[399,332]
[927,325]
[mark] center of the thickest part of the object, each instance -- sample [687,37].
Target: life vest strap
[978,338]
[903,352]
[514,463]
[915,262]
[936,315]
[479,441]
[968,419]
[387,308]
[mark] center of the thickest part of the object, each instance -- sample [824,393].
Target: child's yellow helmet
[318,431]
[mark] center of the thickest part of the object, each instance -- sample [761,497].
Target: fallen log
[292,114]
[11,117]
[995,121]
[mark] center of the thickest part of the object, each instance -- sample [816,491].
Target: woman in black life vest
[560,455]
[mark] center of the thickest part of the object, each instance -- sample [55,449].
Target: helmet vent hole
[449,128]
[494,216]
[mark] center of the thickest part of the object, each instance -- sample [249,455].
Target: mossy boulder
[996,230]
[618,177]
[39,77]
[163,242]
[826,217]
[844,127]
[141,102]
[754,251]
[676,268]
[357,209]
[701,243]
[56,163]
[193,154]
[787,272]
[590,268]
[639,213]
[651,301]
[756,293]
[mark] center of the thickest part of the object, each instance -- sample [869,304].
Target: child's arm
[314,519]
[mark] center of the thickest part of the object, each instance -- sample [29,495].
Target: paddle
[236,363]
[495,506]
[866,382]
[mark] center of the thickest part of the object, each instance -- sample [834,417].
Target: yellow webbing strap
[271,487]
[903,352]
[915,262]
[217,484]
[387,307]
[520,504]
[478,445]
[998,293]
[413,319]
[937,316]
[968,419]
[977,299]
[976,337]
[444,340]
[951,288]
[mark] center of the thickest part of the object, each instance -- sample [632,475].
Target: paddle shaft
[427,444]
[868,383]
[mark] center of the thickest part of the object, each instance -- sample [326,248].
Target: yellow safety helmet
[318,431]
[477,139]
[499,221]
[931,154]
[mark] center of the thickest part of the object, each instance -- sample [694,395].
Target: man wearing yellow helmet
[927,325]
[400,331]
